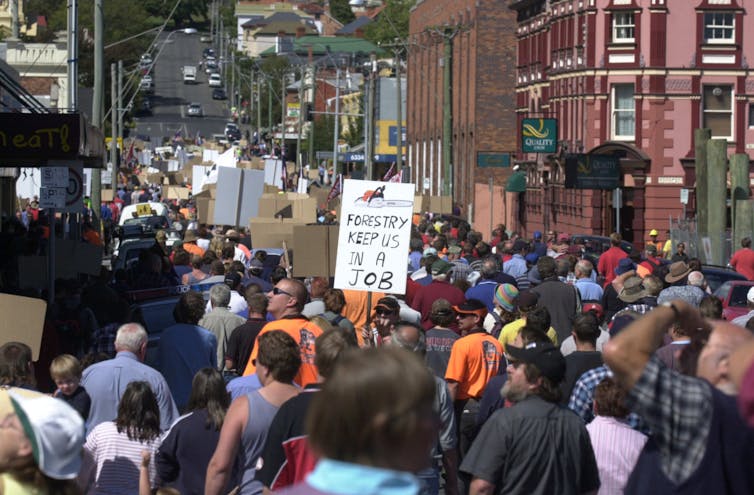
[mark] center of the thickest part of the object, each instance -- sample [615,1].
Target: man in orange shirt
[474,359]
[189,243]
[286,300]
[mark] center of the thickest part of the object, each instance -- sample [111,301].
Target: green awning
[516,182]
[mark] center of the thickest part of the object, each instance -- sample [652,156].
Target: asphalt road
[171,96]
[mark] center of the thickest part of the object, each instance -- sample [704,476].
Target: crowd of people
[509,365]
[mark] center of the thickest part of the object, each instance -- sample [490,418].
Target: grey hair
[585,267]
[219,296]
[130,337]
[420,347]
[696,278]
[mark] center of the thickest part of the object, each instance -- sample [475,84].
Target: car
[716,276]
[733,294]
[208,53]
[219,94]
[146,61]
[215,80]
[144,107]
[232,132]
[210,66]
[205,38]
[194,110]
[190,30]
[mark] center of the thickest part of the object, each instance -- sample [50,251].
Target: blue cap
[537,234]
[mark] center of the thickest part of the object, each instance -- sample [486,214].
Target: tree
[324,130]
[391,23]
[341,11]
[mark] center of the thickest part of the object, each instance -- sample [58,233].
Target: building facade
[481,38]
[632,79]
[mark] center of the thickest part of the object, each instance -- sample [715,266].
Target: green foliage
[355,133]
[341,11]
[391,23]
[324,129]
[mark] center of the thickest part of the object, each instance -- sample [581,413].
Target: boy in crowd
[65,371]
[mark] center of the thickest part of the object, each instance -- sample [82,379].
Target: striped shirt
[111,461]
[616,447]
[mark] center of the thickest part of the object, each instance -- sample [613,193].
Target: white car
[146,84]
[195,110]
[215,80]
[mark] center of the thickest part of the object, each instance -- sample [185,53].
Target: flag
[335,191]
[389,173]
[130,158]
[397,177]
[198,141]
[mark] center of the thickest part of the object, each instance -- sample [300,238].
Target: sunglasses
[383,312]
[276,291]
[465,315]
[514,364]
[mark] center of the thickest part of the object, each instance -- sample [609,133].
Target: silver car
[194,110]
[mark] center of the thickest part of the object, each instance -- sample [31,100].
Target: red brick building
[482,36]
[632,79]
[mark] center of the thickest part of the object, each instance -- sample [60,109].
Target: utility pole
[113,116]
[269,103]
[233,78]
[311,92]
[282,129]
[447,114]
[372,81]
[300,119]
[337,124]
[73,54]
[120,105]
[259,110]
[398,113]
[99,96]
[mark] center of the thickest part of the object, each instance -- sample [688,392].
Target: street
[171,96]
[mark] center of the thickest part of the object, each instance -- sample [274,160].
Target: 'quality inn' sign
[539,135]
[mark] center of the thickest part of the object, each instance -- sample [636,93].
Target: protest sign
[373,242]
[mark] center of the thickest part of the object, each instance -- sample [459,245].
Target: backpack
[335,321]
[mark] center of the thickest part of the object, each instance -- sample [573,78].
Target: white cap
[750,295]
[56,432]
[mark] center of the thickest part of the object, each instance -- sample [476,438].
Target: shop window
[717,110]
[623,112]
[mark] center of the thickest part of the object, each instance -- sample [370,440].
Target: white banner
[373,242]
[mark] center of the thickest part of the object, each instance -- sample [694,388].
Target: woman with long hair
[185,452]
[112,452]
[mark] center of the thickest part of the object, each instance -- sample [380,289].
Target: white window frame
[711,22]
[615,111]
[624,19]
[705,111]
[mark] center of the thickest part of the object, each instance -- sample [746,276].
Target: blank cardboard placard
[27,323]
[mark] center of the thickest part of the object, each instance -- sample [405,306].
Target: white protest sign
[373,242]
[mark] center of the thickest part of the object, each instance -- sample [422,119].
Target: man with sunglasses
[535,446]
[474,359]
[386,315]
[286,300]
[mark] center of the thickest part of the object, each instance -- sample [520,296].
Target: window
[623,112]
[623,27]
[719,27]
[751,115]
[717,110]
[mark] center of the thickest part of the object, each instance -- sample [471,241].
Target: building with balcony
[630,79]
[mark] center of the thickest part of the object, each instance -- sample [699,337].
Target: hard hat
[653,232]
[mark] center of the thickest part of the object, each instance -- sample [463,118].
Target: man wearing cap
[540,248]
[41,440]
[461,268]
[609,259]
[535,446]
[516,266]
[699,443]
[654,242]
[491,277]
[237,305]
[386,315]
[743,260]
[256,268]
[189,243]
[651,262]
[286,300]
[474,359]
[677,273]
[424,274]
[220,320]
[439,288]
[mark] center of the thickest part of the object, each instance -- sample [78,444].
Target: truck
[189,74]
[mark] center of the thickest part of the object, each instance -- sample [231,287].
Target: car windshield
[738,296]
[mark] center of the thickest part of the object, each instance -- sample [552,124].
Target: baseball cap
[232,279]
[564,238]
[545,356]
[388,304]
[624,265]
[519,246]
[505,296]
[441,267]
[595,308]
[56,432]
[255,263]
[428,251]
[472,306]
[537,234]
[454,249]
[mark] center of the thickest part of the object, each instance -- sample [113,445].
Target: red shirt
[609,262]
[743,262]
[430,293]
